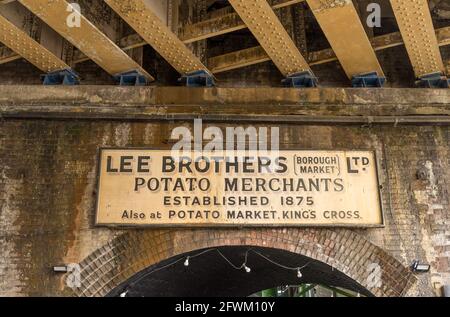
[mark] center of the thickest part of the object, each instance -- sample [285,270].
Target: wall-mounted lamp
[420,267]
[60,269]
[446,290]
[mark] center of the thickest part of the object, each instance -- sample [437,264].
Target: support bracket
[434,80]
[368,80]
[304,79]
[131,78]
[61,77]
[199,78]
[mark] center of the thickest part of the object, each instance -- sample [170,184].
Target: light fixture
[446,290]
[420,267]
[244,266]
[124,294]
[60,269]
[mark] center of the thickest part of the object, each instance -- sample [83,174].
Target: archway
[210,274]
[141,262]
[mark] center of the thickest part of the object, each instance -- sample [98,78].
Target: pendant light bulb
[124,294]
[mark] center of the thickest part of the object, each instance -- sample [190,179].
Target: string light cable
[243,266]
[236,267]
[298,269]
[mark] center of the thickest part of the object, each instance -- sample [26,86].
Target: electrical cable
[280,265]
[242,266]
[229,262]
[170,264]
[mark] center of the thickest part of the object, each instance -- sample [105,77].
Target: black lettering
[185,162]
[143,162]
[168,164]
[365,161]
[109,167]
[154,187]
[281,162]
[338,185]
[247,165]
[198,166]
[234,164]
[204,184]
[125,164]
[231,184]
[264,163]
[138,182]
[349,167]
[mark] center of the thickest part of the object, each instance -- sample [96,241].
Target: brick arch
[344,250]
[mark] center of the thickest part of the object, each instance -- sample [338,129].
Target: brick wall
[48,177]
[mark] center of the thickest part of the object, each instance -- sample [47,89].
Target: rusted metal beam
[237,59]
[7,55]
[23,20]
[257,54]
[87,38]
[254,55]
[345,33]
[395,106]
[203,30]
[36,29]
[126,43]
[378,43]
[28,48]
[223,24]
[416,26]
[443,36]
[270,33]
[140,16]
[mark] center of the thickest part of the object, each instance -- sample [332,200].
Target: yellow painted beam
[255,55]
[416,26]
[8,55]
[222,24]
[342,26]
[147,24]
[87,38]
[26,47]
[270,33]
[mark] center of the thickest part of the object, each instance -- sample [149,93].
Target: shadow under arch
[211,275]
[337,257]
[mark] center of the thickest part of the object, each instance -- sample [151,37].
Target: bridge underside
[235,42]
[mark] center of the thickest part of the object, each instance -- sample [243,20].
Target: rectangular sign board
[145,187]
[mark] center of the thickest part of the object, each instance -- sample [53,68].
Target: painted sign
[143,187]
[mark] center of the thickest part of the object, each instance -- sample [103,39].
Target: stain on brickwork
[10,280]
